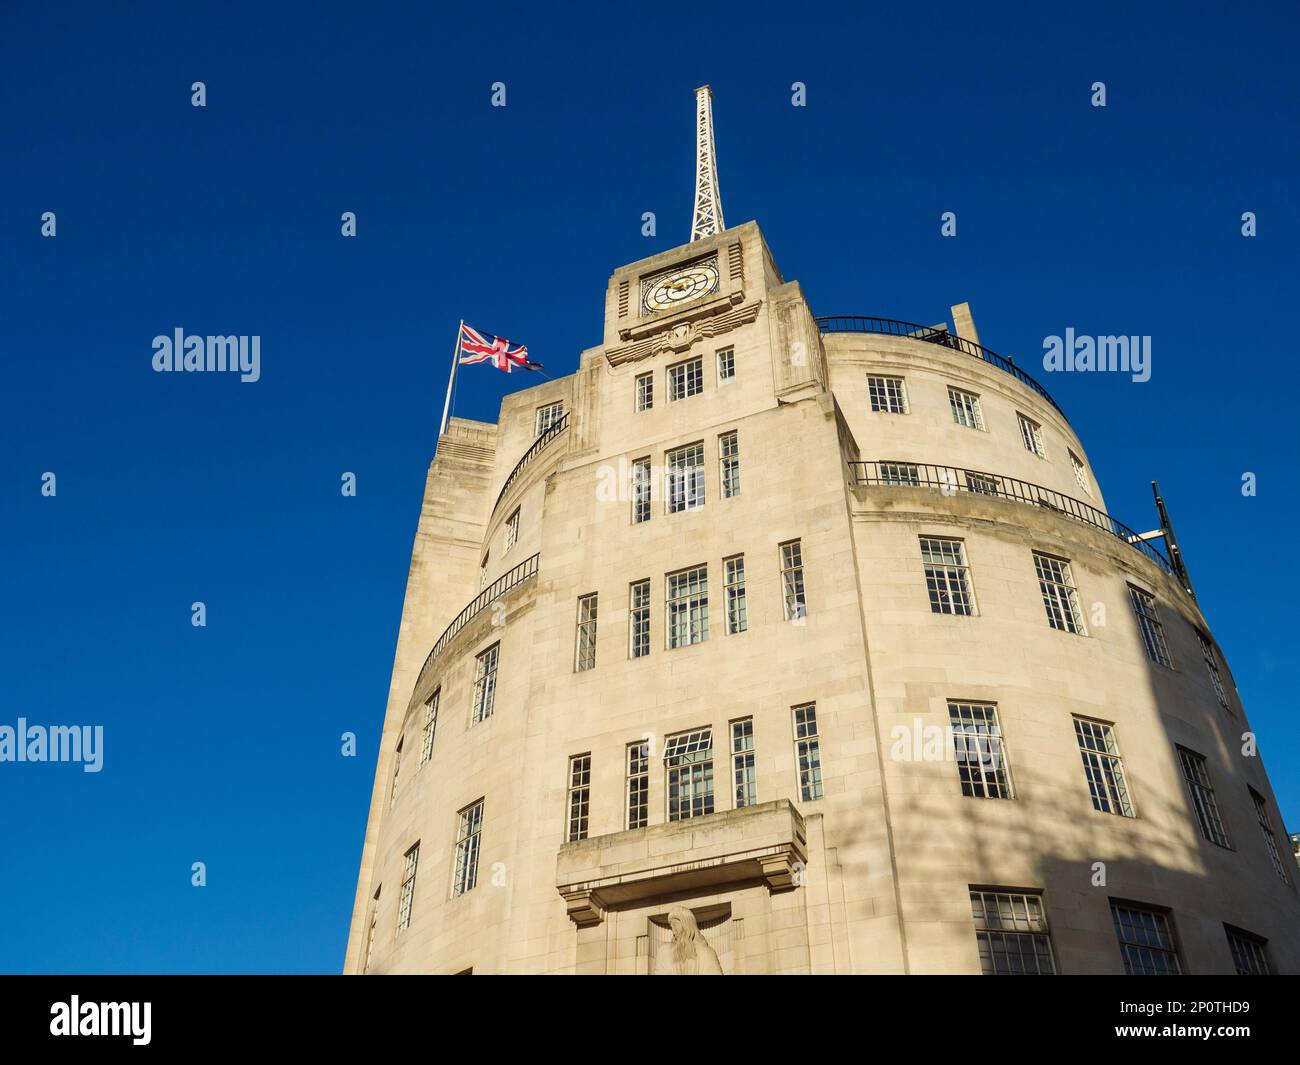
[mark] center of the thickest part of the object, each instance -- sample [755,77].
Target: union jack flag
[484,347]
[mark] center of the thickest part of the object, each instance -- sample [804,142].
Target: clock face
[680,285]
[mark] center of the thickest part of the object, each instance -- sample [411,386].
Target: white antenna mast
[707,217]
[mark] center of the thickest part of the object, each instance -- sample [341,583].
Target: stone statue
[689,954]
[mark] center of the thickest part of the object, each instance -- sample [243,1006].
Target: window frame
[695,610]
[486,664]
[1107,774]
[638,612]
[1201,793]
[981,720]
[578,798]
[469,846]
[1059,593]
[734,594]
[794,588]
[1031,435]
[584,651]
[940,584]
[406,896]
[1163,922]
[808,752]
[729,464]
[636,784]
[550,419]
[703,795]
[882,396]
[682,375]
[989,935]
[726,357]
[965,404]
[643,391]
[744,769]
[1150,628]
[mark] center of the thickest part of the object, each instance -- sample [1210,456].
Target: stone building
[766,643]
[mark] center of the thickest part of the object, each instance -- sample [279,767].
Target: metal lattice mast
[706,220]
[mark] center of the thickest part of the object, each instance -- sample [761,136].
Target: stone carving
[689,954]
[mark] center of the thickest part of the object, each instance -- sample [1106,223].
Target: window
[370,935]
[808,752]
[1266,829]
[1032,435]
[1080,474]
[734,585]
[409,862]
[729,461]
[1197,775]
[397,769]
[639,619]
[686,478]
[1146,941]
[965,408]
[742,763]
[1249,956]
[726,364]
[981,756]
[1153,633]
[485,684]
[900,474]
[641,491]
[430,725]
[887,394]
[579,796]
[792,589]
[638,784]
[468,836]
[645,391]
[512,529]
[984,484]
[686,379]
[586,653]
[1103,767]
[548,416]
[688,759]
[688,606]
[483,570]
[947,578]
[1059,598]
[1212,667]
[1011,931]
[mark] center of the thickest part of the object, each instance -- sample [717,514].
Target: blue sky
[222,743]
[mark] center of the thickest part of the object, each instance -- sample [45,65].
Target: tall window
[729,461]
[887,394]
[688,606]
[947,577]
[686,478]
[586,643]
[397,769]
[965,408]
[548,416]
[1212,667]
[639,619]
[1080,474]
[579,796]
[686,379]
[641,491]
[485,684]
[900,474]
[483,570]
[1146,942]
[734,581]
[1060,600]
[1012,934]
[370,935]
[1153,633]
[638,784]
[726,364]
[1266,830]
[1197,775]
[645,391]
[792,589]
[1032,435]
[980,752]
[808,752]
[430,725]
[688,760]
[512,529]
[1249,953]
[742,762]
[410,860]
[1103,767]
[468,836]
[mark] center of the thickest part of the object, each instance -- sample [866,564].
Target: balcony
[538,446]
[853,323]
[950,480]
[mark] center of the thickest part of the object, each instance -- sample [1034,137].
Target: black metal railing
[539,445]
[953,479]
[511,579]
[853,323]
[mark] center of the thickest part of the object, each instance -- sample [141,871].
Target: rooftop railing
[848,323]
[539,445]
[953,479]
[508,580]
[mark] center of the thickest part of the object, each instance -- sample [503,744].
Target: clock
[680,285]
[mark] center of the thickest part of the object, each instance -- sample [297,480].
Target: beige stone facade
[870,866]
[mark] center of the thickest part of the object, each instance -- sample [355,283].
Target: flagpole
[451,381]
